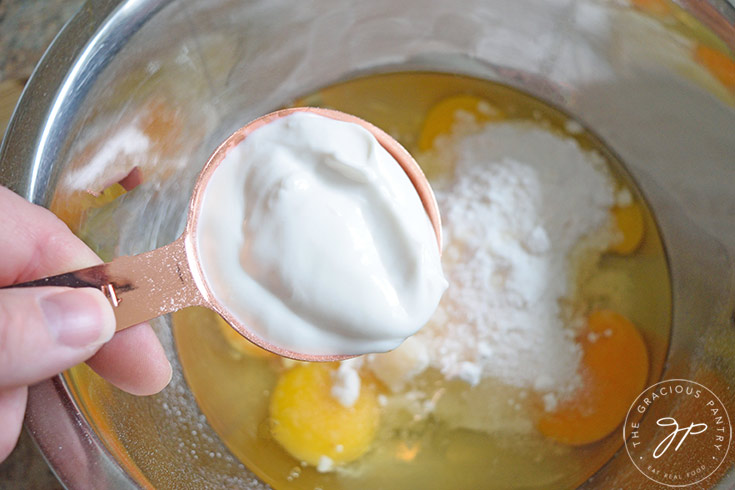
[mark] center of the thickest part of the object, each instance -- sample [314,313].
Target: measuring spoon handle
[139,287]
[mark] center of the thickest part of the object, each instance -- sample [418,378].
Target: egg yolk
[629,222]
[721,66]
[239,344]
[311,424]
[614,371]
[442,116]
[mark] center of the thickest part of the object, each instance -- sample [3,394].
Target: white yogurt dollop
[313,236]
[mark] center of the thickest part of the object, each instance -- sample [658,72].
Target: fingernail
[76,318]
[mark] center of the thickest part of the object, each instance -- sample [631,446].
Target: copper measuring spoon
[170,278]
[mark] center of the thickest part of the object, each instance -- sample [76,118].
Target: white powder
[394,369]
[346,382]
[521,200]
[325,464]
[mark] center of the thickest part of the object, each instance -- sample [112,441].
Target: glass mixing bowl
[638,74]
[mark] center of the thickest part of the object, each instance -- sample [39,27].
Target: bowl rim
[68,443]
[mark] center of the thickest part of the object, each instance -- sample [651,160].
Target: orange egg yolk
[720,65]
[614,371]
[629,222]
[442,116]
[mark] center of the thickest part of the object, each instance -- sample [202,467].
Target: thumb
[44,331]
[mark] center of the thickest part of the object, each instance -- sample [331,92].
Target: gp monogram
[677,432]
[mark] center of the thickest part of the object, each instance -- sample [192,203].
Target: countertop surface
[27,27]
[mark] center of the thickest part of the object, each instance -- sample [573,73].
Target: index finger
[35,243]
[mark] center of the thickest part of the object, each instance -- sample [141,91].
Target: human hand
[44,331]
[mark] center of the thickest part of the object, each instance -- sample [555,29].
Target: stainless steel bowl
[627,73]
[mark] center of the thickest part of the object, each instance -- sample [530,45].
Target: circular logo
[677,432]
